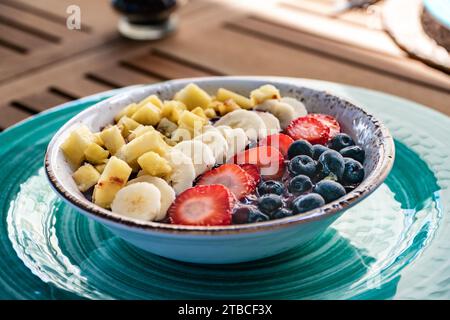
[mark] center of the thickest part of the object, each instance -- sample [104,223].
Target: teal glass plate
[393,245]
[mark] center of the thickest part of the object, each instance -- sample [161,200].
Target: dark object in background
[146,19]
[435,30]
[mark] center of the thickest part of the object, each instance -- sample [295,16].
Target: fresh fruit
[166,127]
[268,159]
[201,155]
[96,154]
[155,165]
[248,214]
[329,190]
[353,171]
[172,110]
[150,141]
[279,141]
[167,193]
[231,176]
[203,206]
[282,213]
[183,171]
[86,177]
[300,147]
[263,93]
[112,138]
[148,114]
[216,142]
[257,216]
[253,171]
[75,145]
[139,131]
[127,125]
[299,107]
[300,184]
[271,187]
[284,112]
[308,129]
[236,139]
[317,150]
[191,122]
[224,94]
[200,112]
[272,123]
[269,203]
[328,121]
[331,163]
[153,99]
[355,152]
[341,141]
[249,121]
[140,200]
[302,165]
[227,106]
[193,96]
[307,202]
[128,111]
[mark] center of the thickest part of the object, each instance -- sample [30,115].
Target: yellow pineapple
[98,139]
[193,96]
[86,177]
[224,95]
[154,164]
[200,112]
[127,125]
[228,106]
[263,93]
[127,111]
[148,114]
[172,110]
[153,99]
[101,167]
[75,145]
[150,141]
[139,131]
[112,138]
[96,154]
[210,113]
[166,127]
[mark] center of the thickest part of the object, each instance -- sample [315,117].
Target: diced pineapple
[166,127]
[127,111]
[100,168]
[139,131]
[191,121]
[193,96]
[172,110]
[210,113]
[86,177]
[154,164]
[228,106]
[114,177]
[200,112]
[112,137]
[126,125]
[150,141]
[215,105]
[244,102]
[148,114]
[96,154]
[263,93]
[153,99]
[98,139]
[75,145]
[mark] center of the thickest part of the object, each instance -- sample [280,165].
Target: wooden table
[43,63]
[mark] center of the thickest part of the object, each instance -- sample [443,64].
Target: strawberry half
[328,121]
[309,129]
[203,206]
[231,176]
[268,159]
[253,171]
[279,141]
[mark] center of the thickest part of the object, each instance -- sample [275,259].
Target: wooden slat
[40,101]
[11,115]
[81,87]
[22,39]
[120,76]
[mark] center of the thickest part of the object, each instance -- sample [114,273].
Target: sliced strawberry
[231,176]
[268,159]
[279,141]
[328,121]
[253,171]
[309,129]
[203,206]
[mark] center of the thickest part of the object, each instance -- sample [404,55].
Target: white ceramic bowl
[234,243]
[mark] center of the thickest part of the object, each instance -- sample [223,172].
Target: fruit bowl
[230,243]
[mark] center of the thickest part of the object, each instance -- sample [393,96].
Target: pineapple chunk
[264,93]
[114,177]
[166,127]
[191,121]
[75,145]
[154,164]
[172,110]
[126,125]
[86,177]
[148,114]
[127,111]
[192,96]
[153,99]
[96,154]
[150,141]
[200,112]
[101,167]
[112,137]
[210,113]
[139,131]
[228,106]
[244,102]
[98,139]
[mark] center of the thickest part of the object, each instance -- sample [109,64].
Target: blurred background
[54,51]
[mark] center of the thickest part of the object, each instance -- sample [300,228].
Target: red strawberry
[309,129]
[328,121]
[253,171]
[268,159]
[203,206]
[279,141]
[231,176]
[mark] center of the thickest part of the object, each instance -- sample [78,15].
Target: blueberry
[355,152]
[257,216]
[302,165]
[270,186]
[300,184]
[269,203]
[329,190]
[307,202]
[340,141]
[300,147]
[318,149]
[353,172]
[332,162]
[281,213]
[246,214]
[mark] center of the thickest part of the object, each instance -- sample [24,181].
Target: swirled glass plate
[395,244]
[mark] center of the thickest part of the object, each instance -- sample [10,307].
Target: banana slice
[183,172]
[139,201]
[201,155]
[299,107]
[253,125]
[283,111]
[236,139]
[167,192]
[216,142]
[272,122]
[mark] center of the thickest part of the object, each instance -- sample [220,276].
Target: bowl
[233,243]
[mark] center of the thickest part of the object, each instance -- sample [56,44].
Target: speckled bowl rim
[370,183]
